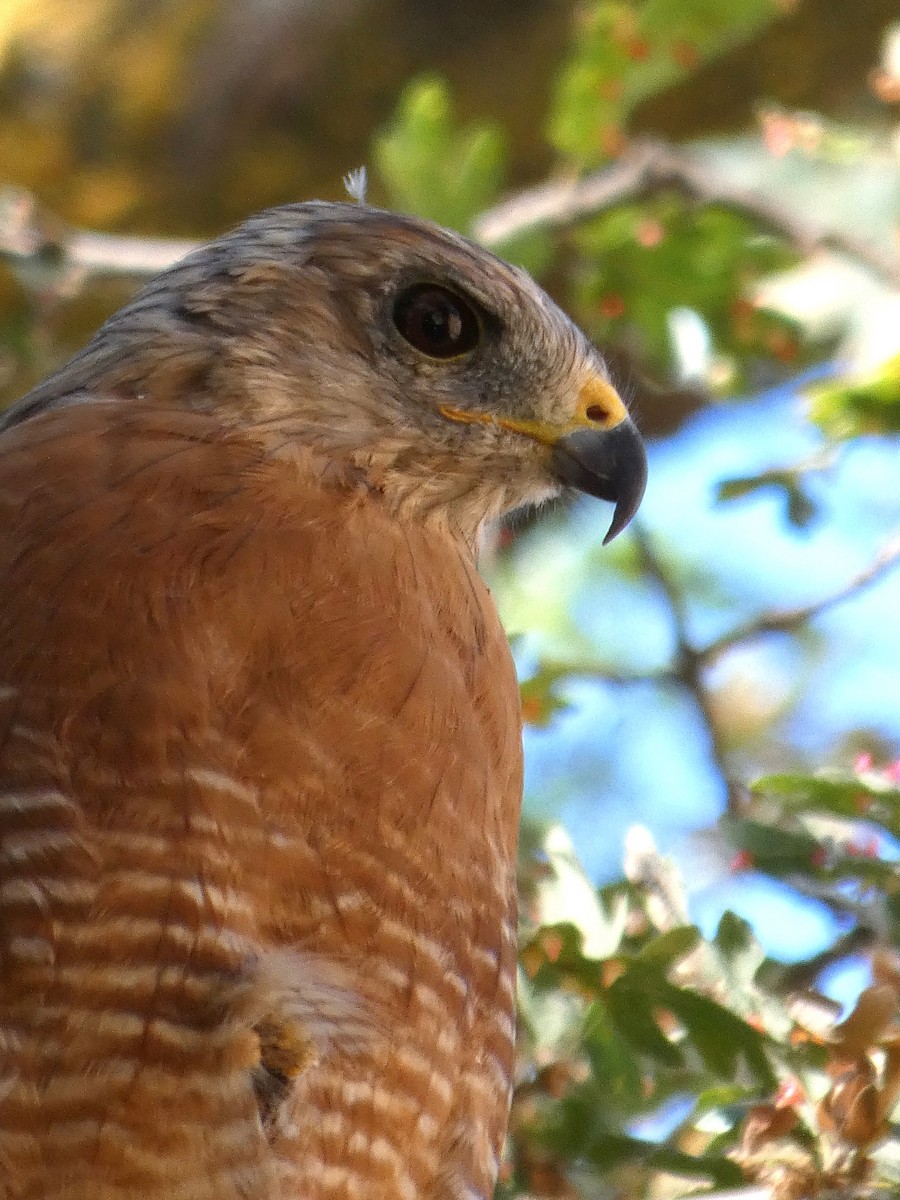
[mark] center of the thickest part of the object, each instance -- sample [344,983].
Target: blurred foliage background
[709,973]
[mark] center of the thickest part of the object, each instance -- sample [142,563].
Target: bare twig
[43,248]
[691,663]
[794,977]
[786,619]
[688,668]
[647,168]
[744,1193]
[552,670]
[108,254]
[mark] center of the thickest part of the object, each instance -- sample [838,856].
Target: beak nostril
[596,412]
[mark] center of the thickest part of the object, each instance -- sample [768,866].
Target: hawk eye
[436,321]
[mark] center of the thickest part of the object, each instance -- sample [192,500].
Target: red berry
[612,305]
[650,232]
[637,49]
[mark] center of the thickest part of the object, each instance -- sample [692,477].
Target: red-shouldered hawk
[259,727]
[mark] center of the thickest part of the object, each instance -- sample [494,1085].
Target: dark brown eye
[436,321]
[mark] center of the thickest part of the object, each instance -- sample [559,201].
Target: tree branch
[688,667]
[649,167]
[743,1193]
[796,977]
[646,168]
[691,663]
[49,254]
[787,619]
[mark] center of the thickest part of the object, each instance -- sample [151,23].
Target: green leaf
[641,262]
[539,698]
[738,948]
[664,951]
[631,1010]
[799,507]
[859,404]
[613,1060]
[433,167]
[609,1150]
[736,958]
[869,797]
[771,847]
[721,1038]
[730,1099]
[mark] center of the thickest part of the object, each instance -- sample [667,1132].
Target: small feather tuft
[313,1002]
[355,182]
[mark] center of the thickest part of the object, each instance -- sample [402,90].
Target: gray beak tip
[608,463]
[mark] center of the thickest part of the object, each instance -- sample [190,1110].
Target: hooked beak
[599,450]
[608,463]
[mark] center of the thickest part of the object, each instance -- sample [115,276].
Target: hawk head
[430,371]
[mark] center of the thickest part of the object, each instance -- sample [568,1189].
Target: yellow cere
[599,404]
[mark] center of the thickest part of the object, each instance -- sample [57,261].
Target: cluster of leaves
[647,1051]
[642,268]
[838,835]
[625,53]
